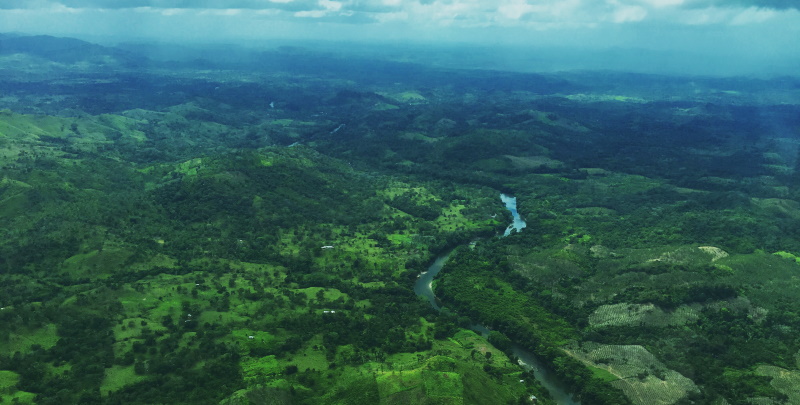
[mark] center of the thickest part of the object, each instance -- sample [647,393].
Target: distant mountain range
[23,52]
[68,51]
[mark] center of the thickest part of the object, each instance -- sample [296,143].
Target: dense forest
[251,232]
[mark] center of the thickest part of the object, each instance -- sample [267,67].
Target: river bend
[526,359]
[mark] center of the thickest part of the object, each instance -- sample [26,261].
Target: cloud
[534,13]
[753,15]
[161,4]
[405,18]
[626,14]
[772,4]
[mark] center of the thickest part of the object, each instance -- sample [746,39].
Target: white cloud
[753,15]
[537,14]
[330,5]
[172,11]
[626,14]
[391,17]
[515,10]
[664,3]
[221,12]
[311,13]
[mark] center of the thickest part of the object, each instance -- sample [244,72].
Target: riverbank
[548,379]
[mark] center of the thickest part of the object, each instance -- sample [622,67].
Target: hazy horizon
[708,37]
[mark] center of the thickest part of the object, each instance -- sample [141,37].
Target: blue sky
[752,29]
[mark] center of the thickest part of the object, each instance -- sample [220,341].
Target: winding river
[548,379]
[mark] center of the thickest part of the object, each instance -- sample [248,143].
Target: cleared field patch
[96,262]
[311,358]
[440,384]
[469,340]
[260,370]
[8,380]
[688,255]
[46,337]
[18,397]
[545,267]
[594,98]
[391,383]
[715,252]
[328,294]
[619,184]
[787,382]
[15,197]
[779,206]
[409,97]
[223,318]
[118,377]
[420,386]
[642,377]
[555,120]
[42,132]
[532,162]
[418,136]
[653,390]
[648,314]
[248,340]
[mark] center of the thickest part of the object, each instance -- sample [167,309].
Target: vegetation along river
[423,288]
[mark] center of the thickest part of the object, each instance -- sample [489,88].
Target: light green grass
[260,370]
[788,255]
[22,340]
[309,358]
[260,340]
[117,377]
[8,379]
[391,383]
[96,263]
[223,318]
[18,397]
[442,384]
[603,374]
[189,167]
[329,294]
[399,239]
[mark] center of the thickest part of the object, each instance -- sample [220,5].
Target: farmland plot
[642,378]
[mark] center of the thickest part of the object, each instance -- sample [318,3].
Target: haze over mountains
[753,37]
[226,54]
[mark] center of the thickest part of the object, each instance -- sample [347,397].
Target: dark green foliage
[493,301]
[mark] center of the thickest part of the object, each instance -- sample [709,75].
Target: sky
[760,32]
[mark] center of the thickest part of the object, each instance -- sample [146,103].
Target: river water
[511,205]
[548,379]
